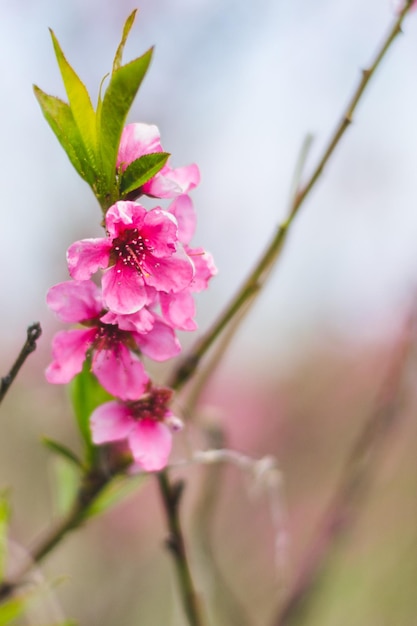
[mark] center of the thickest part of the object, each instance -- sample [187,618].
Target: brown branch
[34,331]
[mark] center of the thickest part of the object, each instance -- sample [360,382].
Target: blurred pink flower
[140,139]
[142,249]
[146,424]
[114,342]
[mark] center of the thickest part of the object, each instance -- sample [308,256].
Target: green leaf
[80,103]
[4,526]
[62,451]
[118,489]
[141,170]
[126,30]
[117,100]
[67,482]
[86,395]
[12,609]
[59,117]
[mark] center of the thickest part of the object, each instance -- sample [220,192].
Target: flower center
[153,405]
[109,336]
[131,249]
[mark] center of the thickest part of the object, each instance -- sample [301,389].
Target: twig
[34,331]
[355,480]
[254,282]
[171,495]
[92,485]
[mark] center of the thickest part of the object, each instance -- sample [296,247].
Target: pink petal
[74,301]
[204,268]
[85,257]
[124,290]
[69,348]
[160,343]
[137,140]
[183,211]
[124,215]
[120,372]
[141,321]
[110,422]
[179,310]
[169,183]
[150,443]
[160,232]
[170,274]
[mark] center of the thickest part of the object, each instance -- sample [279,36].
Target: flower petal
[179,309]
[183,210]
[120,372]
[150,443]
[160,343]
[124,289]
[169,183]
[142,321]
[204,268]
[160,232]
[75,301]
[85,257]
[137,140]
[124,215]
[69,348]
[111,421]
[173,273]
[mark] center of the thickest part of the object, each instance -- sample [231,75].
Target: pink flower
[113,342]
[178,309]
[146,424]
[141,250]
[140,139]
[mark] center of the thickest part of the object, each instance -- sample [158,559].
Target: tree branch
[34,331]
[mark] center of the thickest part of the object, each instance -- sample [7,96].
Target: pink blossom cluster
[145,273]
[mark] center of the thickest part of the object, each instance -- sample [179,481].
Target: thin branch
[354,483]
[256,279]
[92,485]
[34,331]
[171,495]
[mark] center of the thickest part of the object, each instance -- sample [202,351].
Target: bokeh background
[234,86]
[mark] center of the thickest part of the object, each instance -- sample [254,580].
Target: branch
[93,483]
[34,331]
[256,279]
[171,495]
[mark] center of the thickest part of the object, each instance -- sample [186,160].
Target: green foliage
[62,451]
[67,482]
[118,489]
[140,171]
[59,116]
[4,526]
[12,609]
[86,395]
[79,102]
[126,30]
[117,100]
[91,138]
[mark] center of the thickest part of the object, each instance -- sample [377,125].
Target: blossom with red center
[140,139]
[141,250]
[146,424]
[114,342]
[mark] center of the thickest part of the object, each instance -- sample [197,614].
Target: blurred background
[234,86]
